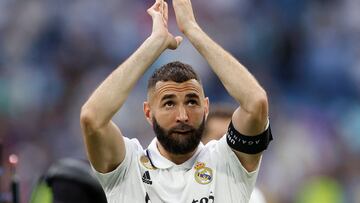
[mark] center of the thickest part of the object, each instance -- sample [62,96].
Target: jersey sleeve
[230,157]
[242,181]
[115,178]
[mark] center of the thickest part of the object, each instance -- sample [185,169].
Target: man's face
[177,112]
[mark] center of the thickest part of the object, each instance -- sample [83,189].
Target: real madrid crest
[145,161]
[203,175]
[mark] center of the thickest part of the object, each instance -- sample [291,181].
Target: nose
[182,115]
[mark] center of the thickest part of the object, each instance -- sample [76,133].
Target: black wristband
[248,144]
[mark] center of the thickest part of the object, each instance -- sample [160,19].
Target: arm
[103,139]
[251,116]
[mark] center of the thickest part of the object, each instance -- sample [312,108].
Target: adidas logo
[146,178]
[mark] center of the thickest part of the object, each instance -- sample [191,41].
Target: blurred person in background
[217,122]
[216,126]
[176,167]
[68,181]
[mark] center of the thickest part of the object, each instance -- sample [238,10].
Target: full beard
[176,142]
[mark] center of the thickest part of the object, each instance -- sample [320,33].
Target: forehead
[170,87]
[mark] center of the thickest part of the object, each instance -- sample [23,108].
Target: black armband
[248,144]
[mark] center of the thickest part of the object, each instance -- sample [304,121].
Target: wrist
[191,28]
[157,41]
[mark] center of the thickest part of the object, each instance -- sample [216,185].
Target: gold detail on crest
[145,161]
[199,165]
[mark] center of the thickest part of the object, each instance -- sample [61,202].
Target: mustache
[182,127]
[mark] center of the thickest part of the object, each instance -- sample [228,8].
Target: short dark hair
[173,71]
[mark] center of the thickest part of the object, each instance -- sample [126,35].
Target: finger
[150,10]
[158,5]
[166,12]
[154,8]
[178,39]
[165,15]
[161,6]
[158,1]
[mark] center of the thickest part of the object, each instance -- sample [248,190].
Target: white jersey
[257,196]
[212,174]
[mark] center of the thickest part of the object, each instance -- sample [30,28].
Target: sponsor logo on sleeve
[203,174]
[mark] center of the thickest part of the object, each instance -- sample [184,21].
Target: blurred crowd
[306,54]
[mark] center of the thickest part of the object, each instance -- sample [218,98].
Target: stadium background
[305,53]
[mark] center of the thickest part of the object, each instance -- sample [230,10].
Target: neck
[176,158]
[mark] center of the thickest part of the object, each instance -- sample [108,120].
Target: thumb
[178,39]
[153,9]
[175,42]
[150,12]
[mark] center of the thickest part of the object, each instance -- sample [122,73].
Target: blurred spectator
[320,189]
[68,181]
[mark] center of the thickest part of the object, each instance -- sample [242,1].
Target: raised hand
[159,14]
[184,15]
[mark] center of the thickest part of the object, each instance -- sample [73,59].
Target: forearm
[237,80]
[108,98]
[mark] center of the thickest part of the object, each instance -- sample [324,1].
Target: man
[176,167]
[68,181]
[215,128]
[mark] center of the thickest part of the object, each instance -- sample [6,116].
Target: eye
[169,104]
[192,102]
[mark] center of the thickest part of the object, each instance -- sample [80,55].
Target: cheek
[165,118]
[197,115]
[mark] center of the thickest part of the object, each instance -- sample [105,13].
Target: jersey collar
[163,163]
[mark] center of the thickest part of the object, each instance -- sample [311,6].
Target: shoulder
[133,150]
[133,144]
[216,151]
[114,179]
[217,147]
[221,155]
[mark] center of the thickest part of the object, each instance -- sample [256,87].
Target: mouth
[182,132]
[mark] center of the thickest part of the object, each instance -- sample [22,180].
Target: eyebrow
[167,96]
[192,95]
[171,96]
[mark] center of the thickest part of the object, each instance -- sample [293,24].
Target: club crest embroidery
[203,175]
[145,161]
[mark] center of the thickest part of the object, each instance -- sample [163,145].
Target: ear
[147,112]
[206,106]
